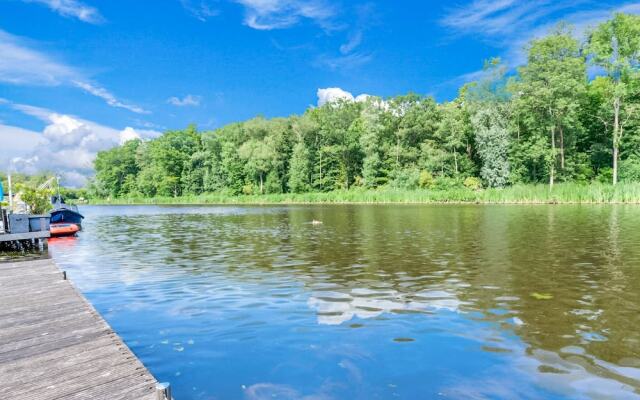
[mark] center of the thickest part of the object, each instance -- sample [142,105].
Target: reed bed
[564,193]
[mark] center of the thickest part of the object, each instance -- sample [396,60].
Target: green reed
[518,194]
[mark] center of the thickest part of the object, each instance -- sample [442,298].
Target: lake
[377,302]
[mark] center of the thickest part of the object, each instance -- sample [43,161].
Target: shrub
[426,179]
[630,169]
[36,199]
[273,184]
[407,179]
[577,169]
[358,181]
[446,183]
[472,183]
[247,189]
[605,175]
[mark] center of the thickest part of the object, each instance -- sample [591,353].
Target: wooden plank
[75,380]
[56,358]
[9,272]
[9,237]
[55,345]
[27,265]
[42,327]
[8,267]
[28,315]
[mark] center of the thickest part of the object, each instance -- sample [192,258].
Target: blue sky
[77,76]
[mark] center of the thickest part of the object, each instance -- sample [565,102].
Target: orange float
[58,230]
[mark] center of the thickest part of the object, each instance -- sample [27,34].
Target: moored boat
[65,213]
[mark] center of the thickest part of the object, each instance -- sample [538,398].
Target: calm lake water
[378,302]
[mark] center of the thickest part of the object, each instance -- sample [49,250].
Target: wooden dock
[55,345]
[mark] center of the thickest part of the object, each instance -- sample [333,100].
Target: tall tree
[372,129]
[258,157]
[339,157]
[492,141]
[550,88]
[165,159]
[300,167]
[490,115]
[116,167]
[299,181]
[454,133]
[417,119]
[615,46]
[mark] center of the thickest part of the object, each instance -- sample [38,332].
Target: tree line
[570,113]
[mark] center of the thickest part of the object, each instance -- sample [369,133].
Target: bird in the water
[316,222]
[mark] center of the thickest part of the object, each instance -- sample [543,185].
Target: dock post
[163,391]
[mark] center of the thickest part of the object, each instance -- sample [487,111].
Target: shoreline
[356,203]
[595,193]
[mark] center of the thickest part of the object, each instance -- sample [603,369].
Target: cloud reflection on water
[335,308]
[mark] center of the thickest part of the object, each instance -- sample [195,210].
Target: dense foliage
[36,199]
[31,183]
[555,120]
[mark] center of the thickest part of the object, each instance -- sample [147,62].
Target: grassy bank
[522,194]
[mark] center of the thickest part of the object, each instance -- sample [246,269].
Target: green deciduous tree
[373,130]
[492,140]
[258,157]
[117,168]
[454,135]
[549,90]
[38,200]
[163,161]
[615,46]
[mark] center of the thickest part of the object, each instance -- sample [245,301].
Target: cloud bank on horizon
[66,146]
[241,57]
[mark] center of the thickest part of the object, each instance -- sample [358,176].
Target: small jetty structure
[21,230]
[55,345]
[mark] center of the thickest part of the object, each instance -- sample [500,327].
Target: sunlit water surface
[377,302]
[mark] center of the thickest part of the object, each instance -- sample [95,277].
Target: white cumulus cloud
[128,134]
[67,145]
[333,94]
